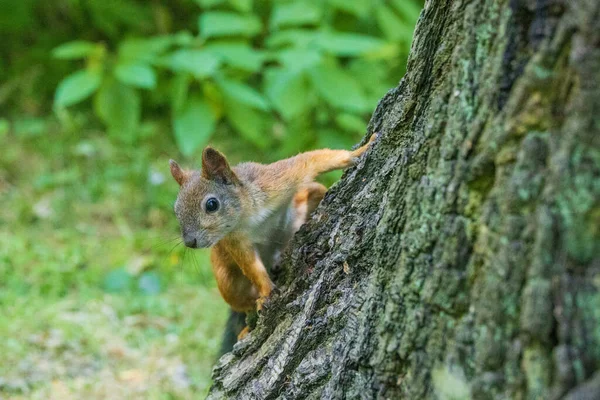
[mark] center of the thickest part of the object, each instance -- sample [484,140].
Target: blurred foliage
[281,76]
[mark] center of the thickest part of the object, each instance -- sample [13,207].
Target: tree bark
[461,257]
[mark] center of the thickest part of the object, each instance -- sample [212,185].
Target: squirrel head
[208,206]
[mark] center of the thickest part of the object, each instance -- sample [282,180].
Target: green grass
[96,299]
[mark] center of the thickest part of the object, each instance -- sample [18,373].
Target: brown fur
[306,201]
[261,206]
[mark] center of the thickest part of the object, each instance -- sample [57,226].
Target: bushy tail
[235,323]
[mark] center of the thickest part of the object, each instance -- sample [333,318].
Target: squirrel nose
[190,241]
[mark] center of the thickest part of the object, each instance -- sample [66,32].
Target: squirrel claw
[260,302]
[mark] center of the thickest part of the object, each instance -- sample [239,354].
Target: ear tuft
[215,167]
[179,174]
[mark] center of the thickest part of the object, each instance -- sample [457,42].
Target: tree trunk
[461,258]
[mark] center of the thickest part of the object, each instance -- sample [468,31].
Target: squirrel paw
[260,302]
[359,152]
[244,332]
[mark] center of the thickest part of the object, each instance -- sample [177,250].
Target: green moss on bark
[461,257]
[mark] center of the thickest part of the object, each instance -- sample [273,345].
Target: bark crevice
[461,257]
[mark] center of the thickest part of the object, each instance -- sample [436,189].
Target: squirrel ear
[215,167]
[179,174]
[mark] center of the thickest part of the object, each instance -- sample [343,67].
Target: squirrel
[249,212]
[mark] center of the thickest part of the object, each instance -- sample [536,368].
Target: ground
[97,299]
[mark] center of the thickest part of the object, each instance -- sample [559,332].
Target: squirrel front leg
[326,160]
[246,257]
[305,202]
[284,177]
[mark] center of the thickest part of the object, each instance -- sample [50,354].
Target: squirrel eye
[211,205]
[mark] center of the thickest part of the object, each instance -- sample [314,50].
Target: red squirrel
[248,213]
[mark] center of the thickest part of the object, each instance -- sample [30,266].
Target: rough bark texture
[461,258]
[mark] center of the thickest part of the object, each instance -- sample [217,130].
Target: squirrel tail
[235,324]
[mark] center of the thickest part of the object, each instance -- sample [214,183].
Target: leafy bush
[279,74]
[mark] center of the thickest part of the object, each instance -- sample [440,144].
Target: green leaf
[77,87]
[30,127]
[183,38]
[194,125]
[179,91]
[74,50]
[241,5]
[392,26]
[349,44]
[209,3]
[408,9]
[4,127]
[289,92]
[223,24]
[108,17]
[333,139]
[119,107]
[145,50]
[359,8]
[239,55]
[242,93]
[116,281]
[200,63]
[296,134]
[291,37]
[338,88]
[351,123]
[295,14]
[149,283]
[372,76]
[299,59]
[138,75]
[250,123]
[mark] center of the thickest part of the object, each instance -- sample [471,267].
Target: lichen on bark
[461,257]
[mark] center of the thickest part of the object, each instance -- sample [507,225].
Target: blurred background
[98,298]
